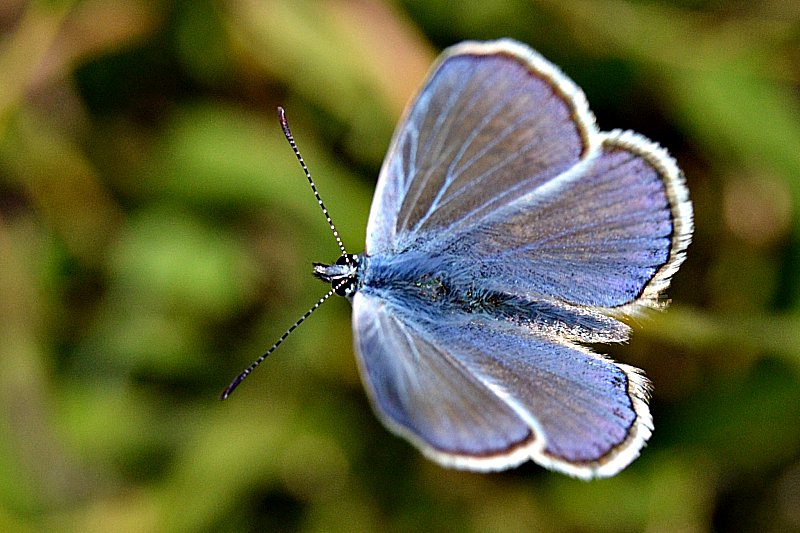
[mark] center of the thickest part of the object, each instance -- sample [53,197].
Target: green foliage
[156,236]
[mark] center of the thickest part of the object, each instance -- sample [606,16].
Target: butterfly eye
[347,259]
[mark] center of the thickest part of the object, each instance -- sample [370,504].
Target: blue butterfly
[505,233]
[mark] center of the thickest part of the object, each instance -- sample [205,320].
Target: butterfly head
[342,275]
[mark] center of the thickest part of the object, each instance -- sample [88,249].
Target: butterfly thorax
[431,281]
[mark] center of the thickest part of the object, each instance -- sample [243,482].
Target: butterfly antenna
[246,372]
[289,137]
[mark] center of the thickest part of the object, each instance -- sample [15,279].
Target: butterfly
[506,233]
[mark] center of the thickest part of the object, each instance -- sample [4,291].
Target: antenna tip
[230,388]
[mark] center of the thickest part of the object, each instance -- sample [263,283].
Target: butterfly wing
[499,162]
[420,392]
[609,233]
[486,394]
[492,122]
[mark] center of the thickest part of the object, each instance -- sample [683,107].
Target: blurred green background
[156,235]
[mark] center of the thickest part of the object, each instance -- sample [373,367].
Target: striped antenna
[247,371]
[289,137]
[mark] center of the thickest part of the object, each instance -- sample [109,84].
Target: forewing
[609,233]
[493,122]
[420,391]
